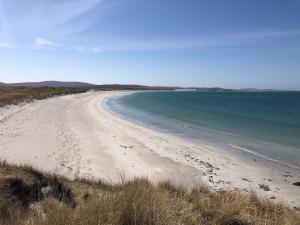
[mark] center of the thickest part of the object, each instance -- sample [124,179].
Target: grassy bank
[15,95]
[31,197]
[28,196]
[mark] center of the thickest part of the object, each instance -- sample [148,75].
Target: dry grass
[30,197]
[15,95]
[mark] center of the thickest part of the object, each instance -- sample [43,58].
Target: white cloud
[233,39]
[80,48]
[60,12]
[41,42]
[85,49]
[97,50]
[43,16]
[268,34]
[6,45]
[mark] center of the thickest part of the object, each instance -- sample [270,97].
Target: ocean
[265,124]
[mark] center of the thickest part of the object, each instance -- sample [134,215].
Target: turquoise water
[263,123]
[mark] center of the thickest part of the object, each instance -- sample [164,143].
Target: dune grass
[31,197]
[15,95]
[28,196]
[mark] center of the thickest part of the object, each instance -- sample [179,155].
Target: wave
[178,114]
[264,157]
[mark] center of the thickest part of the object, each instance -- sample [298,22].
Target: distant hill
[213,89]
[52,84]
[256,89]
[73,84]
[204,89]
[132,87]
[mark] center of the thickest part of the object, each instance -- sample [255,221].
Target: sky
[190,43]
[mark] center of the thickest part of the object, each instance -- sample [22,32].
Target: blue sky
[232,43]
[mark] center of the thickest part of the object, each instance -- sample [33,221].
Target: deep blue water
[266,123]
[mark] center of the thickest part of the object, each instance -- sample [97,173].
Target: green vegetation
[15,95]
[31,197]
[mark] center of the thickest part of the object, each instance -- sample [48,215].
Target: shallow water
[266,124]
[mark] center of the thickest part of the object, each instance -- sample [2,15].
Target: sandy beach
[74,135]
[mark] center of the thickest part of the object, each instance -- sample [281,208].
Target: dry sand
[75,136]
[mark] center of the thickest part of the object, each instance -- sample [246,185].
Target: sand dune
[75,136]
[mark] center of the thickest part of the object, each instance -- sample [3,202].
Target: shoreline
[243,156]
[81,138]
[202,140]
